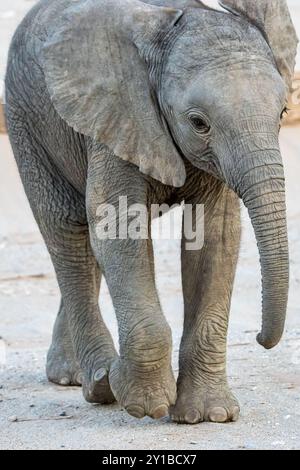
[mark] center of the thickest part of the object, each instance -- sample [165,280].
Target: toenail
[79,378]
[175,418]
[135,410]
[64,381]
[100,374]
[217,415]
[235,413]
[159,412]
[192,416]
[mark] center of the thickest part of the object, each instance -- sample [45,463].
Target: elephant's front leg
[203,393]
[141,378]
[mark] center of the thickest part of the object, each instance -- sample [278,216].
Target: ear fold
[99,83]
[273,17]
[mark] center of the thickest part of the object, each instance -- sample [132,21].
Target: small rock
[13,419]
[63,414]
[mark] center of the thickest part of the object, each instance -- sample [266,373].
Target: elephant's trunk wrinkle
[254,185]
[270,214]
[254,169]
[266,193]
[265,200]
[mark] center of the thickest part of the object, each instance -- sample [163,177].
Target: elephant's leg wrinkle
[141,378]
[62,366]
[203,393]
[60,213]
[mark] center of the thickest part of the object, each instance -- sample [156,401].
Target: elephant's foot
[62,367]
[95,386]
[143,392]
[215,403]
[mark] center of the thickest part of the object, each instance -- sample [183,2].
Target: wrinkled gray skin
[196,118]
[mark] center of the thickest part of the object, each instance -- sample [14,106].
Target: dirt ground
[37,415]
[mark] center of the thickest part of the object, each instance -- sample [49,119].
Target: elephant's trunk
[263,194]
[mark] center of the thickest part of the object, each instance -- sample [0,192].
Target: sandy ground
[267,383]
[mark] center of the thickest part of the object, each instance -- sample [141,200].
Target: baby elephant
[160,101]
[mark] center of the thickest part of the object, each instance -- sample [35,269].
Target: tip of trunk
[268,343]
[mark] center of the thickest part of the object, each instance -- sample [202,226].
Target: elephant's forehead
[211,46]
[217,42]
[211,33]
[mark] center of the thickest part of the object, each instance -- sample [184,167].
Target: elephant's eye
[199,124]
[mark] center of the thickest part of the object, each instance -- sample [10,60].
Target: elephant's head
[159,84]
[223,91]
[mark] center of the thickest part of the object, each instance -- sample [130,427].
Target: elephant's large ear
[273,17]
[99,84]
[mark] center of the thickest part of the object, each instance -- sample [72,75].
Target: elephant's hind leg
[60,213]
[79,280]
[78,276]
[62,366]
[203,393]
